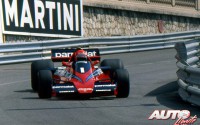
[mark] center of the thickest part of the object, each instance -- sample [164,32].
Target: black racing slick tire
[36,66]
[121,76]
[45,84]
[113,63]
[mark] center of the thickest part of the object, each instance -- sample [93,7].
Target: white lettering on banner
[26,11]
[68,17]
[39,15]
[77,18]
[50,6]
[11,12]
[59,16]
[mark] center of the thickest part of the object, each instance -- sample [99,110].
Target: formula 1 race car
[79,74]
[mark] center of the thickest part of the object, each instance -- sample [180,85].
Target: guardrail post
[197,5]
[148,1]
[173,2]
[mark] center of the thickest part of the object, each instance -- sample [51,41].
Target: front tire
[36,66]
[45,84]
[121,76]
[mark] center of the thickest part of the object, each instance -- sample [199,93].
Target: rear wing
[59,55]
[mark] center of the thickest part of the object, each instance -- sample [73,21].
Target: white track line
[14,82]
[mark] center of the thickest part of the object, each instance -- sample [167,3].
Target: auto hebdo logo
[183,116]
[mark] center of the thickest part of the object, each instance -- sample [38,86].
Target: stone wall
[100,22]
[21,38]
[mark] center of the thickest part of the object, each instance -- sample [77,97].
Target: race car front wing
[100,89]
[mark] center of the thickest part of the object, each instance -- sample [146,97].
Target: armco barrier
[188,71]
[30,51]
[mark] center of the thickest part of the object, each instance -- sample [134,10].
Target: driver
[81,57]
[77,52]
[78,55]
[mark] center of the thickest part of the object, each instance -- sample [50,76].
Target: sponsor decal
[103,90]
[63,54]
[69,54]
[66,91]
[85,89]
[90,54]
[110,85]
[183,116]
[62,87]
[60,18]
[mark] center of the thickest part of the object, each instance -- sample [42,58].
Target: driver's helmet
[81,57]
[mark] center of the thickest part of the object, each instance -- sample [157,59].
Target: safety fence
[30,51]
[183,3]
[188,70]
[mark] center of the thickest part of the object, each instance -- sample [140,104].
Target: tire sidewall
[121,77]
[45,83]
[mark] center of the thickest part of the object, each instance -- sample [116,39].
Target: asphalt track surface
[153,87]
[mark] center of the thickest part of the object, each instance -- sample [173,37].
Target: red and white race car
[79,74]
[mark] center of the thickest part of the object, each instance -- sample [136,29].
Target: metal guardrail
[30,51]
[189,71]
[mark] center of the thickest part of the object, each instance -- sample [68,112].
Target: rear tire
[113,63]
[45,84]
[35,68]
[121,76]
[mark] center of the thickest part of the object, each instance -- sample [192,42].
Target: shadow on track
[67,98]
[167,88]
[74,98]
[25,91]
[167,95]
[82,98]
